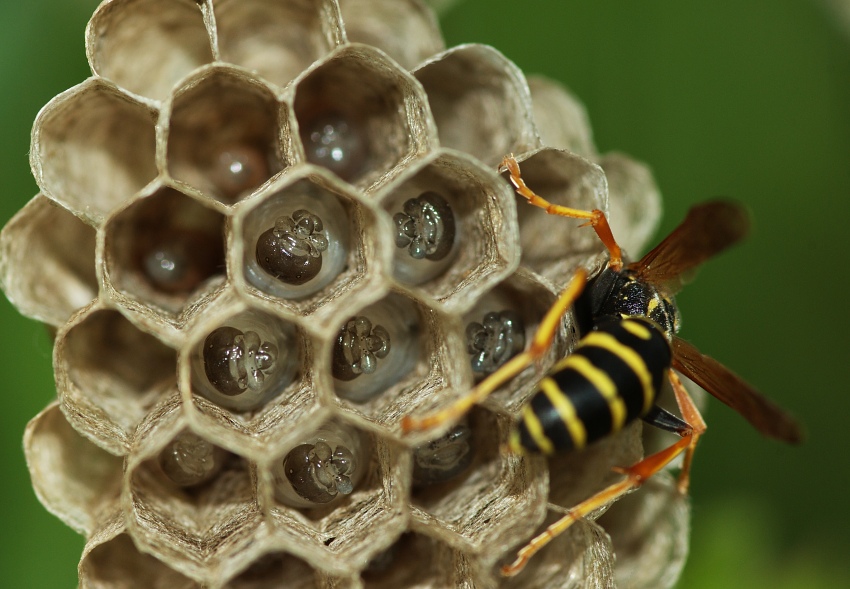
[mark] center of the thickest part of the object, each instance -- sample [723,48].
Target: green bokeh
[750,101]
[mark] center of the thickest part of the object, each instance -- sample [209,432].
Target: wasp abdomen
[611,378]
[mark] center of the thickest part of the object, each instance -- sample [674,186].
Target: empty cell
[480,102]
[93,149]
[278,39]
[65,249]
[147,46]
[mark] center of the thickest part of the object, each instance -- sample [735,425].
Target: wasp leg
[541,342]
[636,475]
[595,218]
[691,414]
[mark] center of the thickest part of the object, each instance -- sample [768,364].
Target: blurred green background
[749,100]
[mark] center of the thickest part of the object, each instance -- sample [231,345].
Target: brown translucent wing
[708,229]
[767,417]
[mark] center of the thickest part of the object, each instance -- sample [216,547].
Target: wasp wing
[708,229]
[767,417]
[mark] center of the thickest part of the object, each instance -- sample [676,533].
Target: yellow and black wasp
[628,322]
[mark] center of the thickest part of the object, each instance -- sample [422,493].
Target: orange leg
[539,345]
[691,414]
[636,475]
[595,218]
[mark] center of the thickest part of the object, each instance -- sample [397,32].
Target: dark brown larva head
[291,251]
[318,472]
[426,227]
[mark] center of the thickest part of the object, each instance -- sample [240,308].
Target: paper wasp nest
[266,231]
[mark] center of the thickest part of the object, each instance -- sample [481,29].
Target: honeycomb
[266,231]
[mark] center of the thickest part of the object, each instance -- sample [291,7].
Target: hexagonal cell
[276,569]
[376,350]
[502,323]
[93,147]
[634,201]
[454,228]
[64,247]
[117,562]
[192,496]
[276,39]
[147,46]
[551,245]
[76,480]
[104,393]
[302,243]
[405,29]
[224,134]
[323,468]
[470,506]
[480,101]
[444,459]
[575,476]
[165,250]
[414,560]
[561,118]
[581,557]
[251,423]
[329,531]
[248,360]
[360,116]
[649,530]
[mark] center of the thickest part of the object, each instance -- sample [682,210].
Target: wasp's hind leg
[595,218]
[689,429]
[540,344]
[691,414]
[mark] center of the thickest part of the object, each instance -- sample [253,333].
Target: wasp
[627,321]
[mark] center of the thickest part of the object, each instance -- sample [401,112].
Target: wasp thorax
[291,251]
[239,169]
[189,460]
[358,347]
[333,142]
[235,361]
[426,227]
[444,458]
[494,341]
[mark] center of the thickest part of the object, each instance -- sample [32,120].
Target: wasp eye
[426,227]
[236,361]
[291,251]
[494,341]
[189,460]
[443,459]
[333,142]
[359,346]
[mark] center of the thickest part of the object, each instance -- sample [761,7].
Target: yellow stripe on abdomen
[604,385]
[535,430]
[632,359]
[637,329]
[566,411]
